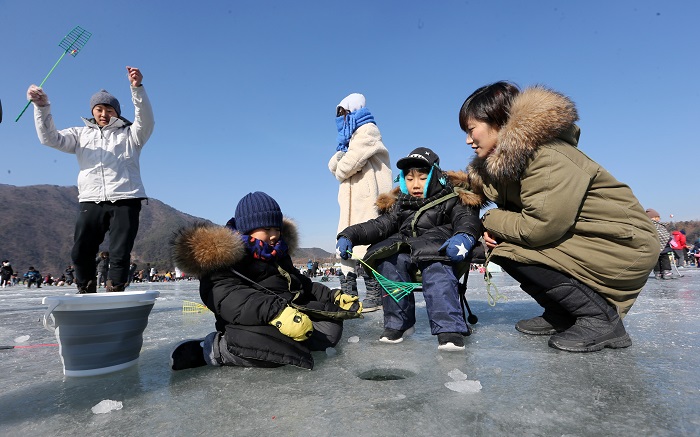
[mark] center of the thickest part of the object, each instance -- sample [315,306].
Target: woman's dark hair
[490,104]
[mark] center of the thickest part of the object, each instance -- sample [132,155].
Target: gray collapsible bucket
[99,333]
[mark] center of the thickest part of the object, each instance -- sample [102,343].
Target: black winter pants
[121,220]
[532,277]
[664,263]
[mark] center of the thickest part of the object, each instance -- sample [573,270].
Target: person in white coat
[110,190]
[361,164]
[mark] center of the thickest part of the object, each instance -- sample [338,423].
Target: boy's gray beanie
[102,97]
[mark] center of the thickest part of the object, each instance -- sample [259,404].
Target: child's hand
[342,247]
[37,96]
[135,76]
[458,247]
[348,302]
[293,323]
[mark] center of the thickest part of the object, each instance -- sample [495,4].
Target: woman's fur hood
[203,248]
[537,116]
[458,179]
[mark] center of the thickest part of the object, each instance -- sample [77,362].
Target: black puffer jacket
[6,272]
[245,294]
[419,226]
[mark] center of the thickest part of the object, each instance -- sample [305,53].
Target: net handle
[381,280]
[76,51]
[376,272]
[492,300]
[363,263]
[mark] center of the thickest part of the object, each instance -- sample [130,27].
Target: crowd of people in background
[33,277]
[674,248]
[684,253]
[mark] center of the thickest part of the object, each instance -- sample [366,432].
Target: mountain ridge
[37,224]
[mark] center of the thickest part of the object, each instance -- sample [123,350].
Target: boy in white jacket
[110,190]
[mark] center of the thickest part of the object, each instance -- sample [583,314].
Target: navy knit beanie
[102,97]
[257,210]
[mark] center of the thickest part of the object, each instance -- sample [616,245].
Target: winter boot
[348,284]
[554,319]
[597,323]
[111,288]
[90,287]
[373,297]
[187,355]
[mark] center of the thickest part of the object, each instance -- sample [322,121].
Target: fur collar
[537,116]
[203,248]
[458,179]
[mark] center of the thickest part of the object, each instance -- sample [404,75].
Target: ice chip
[331,352]
[457,375]
[354,339]
[21,339]
[106,406]
[467,386]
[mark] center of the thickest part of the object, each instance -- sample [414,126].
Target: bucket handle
[47,314]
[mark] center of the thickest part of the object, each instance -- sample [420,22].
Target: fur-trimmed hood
[537,116]
[203,248]
[458,179]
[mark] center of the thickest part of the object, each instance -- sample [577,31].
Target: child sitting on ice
[267,313]
[430,224]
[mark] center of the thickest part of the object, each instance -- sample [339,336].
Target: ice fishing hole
[385,374]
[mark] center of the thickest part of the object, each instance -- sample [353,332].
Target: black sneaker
[450,341]
[395,335]
[188,354]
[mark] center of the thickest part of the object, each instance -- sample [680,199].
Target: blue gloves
[458,247]
[342,247]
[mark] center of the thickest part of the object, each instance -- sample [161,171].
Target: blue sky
[244,93]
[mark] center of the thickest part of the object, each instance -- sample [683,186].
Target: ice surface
[370,388]
[106,406]
[457,375]
[460,383]
[465,386]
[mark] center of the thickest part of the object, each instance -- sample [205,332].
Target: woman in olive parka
[576,239]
